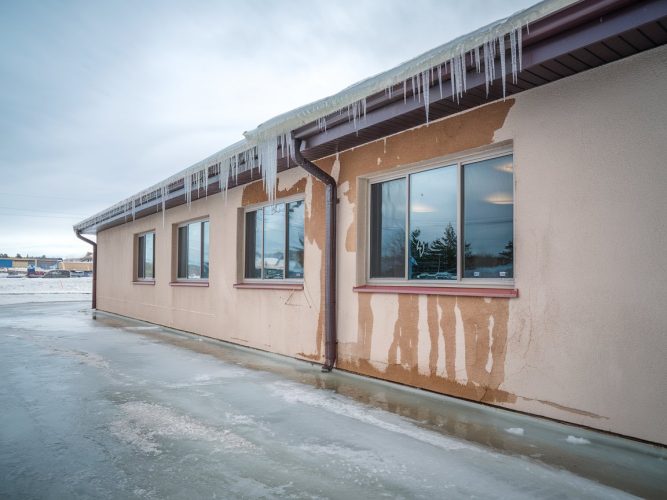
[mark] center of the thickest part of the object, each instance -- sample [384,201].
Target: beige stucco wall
[586,339]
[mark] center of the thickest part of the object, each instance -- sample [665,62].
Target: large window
[274,240]
[417,220]
[193,250]
[146,256]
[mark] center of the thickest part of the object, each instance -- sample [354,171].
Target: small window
[274,242]
[193,240]
[146,256]
[416,220]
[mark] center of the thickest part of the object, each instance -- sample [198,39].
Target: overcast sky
[99,100]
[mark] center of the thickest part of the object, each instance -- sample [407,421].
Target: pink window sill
[189,283]
[457,291]
[269,286]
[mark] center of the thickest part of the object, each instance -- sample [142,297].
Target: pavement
[97,406]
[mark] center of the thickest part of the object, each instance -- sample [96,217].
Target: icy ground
[18,290]
[112,408]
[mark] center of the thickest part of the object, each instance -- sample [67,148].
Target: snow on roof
[260,146]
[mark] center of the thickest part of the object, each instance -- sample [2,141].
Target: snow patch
[143,422]
[517,431]
[577,440]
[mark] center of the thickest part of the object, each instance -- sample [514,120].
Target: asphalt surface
[97,406]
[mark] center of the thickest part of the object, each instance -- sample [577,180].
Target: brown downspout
[78,235]
[330,345]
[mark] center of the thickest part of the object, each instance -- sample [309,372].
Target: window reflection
[204,251]
[488,205]
[274,242]
[295,239]
[433,224]
[148,271]
[388,210]
[253,244]
[194,250]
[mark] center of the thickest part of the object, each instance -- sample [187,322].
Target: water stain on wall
[485,342]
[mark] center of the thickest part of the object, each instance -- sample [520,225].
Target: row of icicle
[263,153]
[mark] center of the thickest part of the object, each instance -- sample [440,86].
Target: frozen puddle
[294,393]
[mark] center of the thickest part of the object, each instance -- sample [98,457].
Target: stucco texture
[584,342]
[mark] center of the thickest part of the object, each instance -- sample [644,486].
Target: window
[146,256]
[193,241]
[416,220]
[274,238]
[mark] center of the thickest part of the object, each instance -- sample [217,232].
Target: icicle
[477,61]
[223,179]
[486,67]
[501,49]
[513,54]
[464,72]
[520,44]
[426,82]
[440,79]
[268,161]
[405,91]
[163,195]
[452,78]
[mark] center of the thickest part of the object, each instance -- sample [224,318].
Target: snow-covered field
[20,290]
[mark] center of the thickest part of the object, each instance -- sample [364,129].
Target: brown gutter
[78,235]
[330,345]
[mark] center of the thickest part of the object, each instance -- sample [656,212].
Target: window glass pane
[295,239]
[204,250]
[194,250]
[388,206]
[149,246]
[274,242]
[141,245]
[183,252]
[433,224]
[253,244]
[488,203]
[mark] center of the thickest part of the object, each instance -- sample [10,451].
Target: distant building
[485,221]
[23,263]
[75,266]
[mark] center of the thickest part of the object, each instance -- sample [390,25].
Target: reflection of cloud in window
[508,168]
[422,209]
[500,198]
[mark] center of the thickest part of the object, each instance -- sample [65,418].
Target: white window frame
[457,160]
[138,236]
[178,256]
[261,206]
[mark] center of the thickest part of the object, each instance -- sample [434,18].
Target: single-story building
[486,221]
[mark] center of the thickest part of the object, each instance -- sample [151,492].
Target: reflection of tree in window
[432,224]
